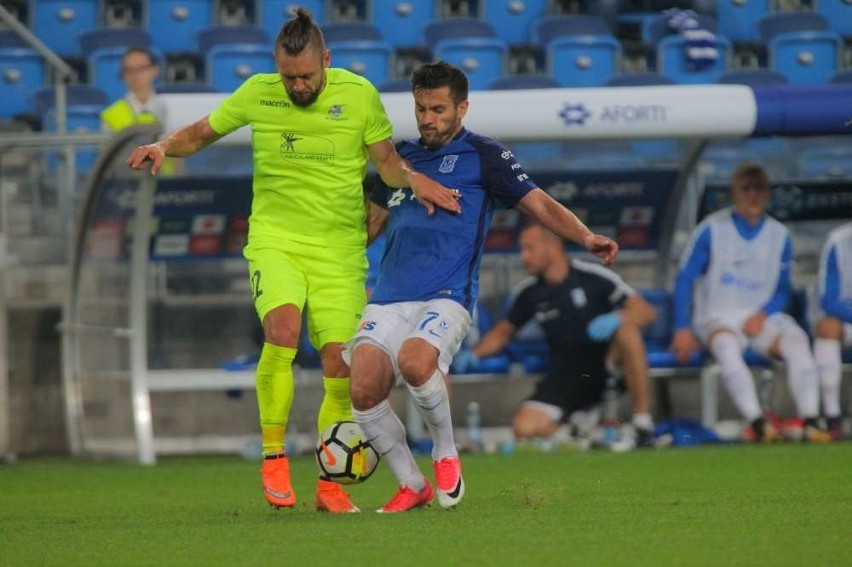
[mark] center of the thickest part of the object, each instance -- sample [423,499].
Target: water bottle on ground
[474,427]
[611,425]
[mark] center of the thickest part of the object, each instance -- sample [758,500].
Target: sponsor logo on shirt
[306,149]
[274,103]
[335,112]
[578,297]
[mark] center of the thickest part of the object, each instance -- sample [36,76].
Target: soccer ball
[343,455]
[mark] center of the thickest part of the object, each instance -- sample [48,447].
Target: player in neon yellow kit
[313,128]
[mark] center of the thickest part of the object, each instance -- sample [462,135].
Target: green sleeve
[231,113]
[378,125]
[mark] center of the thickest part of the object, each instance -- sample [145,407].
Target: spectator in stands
[140,105]
[833,321]
[420,311]
[611,9]
[313,129]
[592,321]
[731,290]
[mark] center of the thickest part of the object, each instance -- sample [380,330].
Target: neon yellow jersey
[309,162]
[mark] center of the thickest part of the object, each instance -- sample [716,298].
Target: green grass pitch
[725,505]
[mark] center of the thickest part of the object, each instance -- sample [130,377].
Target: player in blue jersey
[731,291]
[832,315]
[428,282]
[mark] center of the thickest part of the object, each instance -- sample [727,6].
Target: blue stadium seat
[44,99]
[839,15]
[402,22]
[788,22]
[228,65]
[395,86]
[580,50]
[842,77]
[58,23]
[523,81]
[547,28]
[103,50]
[672,62]
[360,48]
[79,118]
[643,79]
[370,59]
[512,19]
[658,335]
[271,14]
[738,18]
[481,324]
[752,78]
[456,28]
[174,24]
[806,57]
[22,72]
[184,88]
[482,59]
[217,35]
[470,44]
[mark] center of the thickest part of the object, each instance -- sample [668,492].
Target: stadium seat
[738,18]
[483,59]
[643,79]
[807,57]
[22,72]
[401,21]
[458,28]
[842,77]
[523,82]
[184,88]
[360,48]
[271,14]
[79,118]
[788,22]
[580,50]
[228,65]
[103,50]
[481,324]
[174,24]
[752,78]
[672,62]
[44,99]
[395,86]
[511,19]
[58,23]
[212,36]
[838,13]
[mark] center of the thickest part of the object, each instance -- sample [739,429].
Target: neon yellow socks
[275,390]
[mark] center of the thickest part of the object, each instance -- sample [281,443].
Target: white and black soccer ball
[344,455]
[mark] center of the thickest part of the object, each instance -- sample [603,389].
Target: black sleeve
[521,310]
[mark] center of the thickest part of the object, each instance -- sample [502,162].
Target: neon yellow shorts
[327,282]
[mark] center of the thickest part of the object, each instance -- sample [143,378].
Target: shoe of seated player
[449,480]
[645,438]
[835,427]
[407,498]
[275,475]
[813,434]
[332,498]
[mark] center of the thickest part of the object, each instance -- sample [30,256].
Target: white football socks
[735,375]
[827,353]
[801,371]
[386,433]
[433,403]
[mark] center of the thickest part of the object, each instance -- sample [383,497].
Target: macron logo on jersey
[274,103]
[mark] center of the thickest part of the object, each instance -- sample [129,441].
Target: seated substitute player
[832,316]
[731,289]
[428,282]
[593,324]
[313,128]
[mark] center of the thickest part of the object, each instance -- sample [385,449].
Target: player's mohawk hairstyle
[299,32]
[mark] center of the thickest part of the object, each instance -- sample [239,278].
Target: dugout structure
[121,244]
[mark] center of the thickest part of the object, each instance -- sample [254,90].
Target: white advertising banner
[595,113]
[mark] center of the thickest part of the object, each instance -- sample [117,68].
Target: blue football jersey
[433,257]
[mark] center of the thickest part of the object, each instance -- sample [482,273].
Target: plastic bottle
[474,427]
[610,411]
